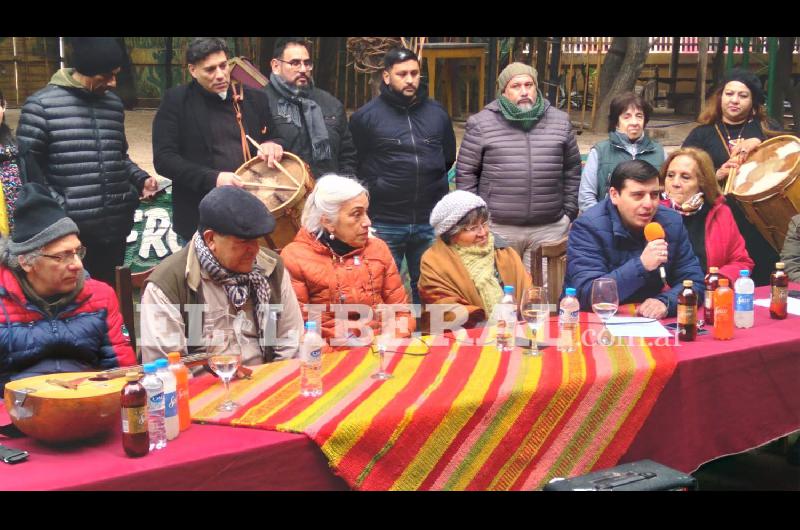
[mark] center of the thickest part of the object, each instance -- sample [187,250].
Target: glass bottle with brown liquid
[135,439]
[779,283]
[712,282]
[687,312]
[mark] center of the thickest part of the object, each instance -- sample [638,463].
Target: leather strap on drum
[238,97]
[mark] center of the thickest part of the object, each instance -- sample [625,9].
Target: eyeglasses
[477,228]
[295,63]
[67,257]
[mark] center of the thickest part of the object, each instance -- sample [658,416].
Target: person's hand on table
[652,308]
[226,178]
[270,152]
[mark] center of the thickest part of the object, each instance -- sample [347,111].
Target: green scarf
[479,262]
[526,118]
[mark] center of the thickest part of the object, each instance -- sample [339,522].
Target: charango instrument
[767,187]
[283,190]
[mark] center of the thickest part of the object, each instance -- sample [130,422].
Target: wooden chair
[549,266]
[126,282]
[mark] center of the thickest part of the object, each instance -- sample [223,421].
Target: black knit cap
[235,212]
[750,80]
[96,55]
[38,220]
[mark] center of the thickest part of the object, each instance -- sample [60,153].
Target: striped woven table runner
[457,416]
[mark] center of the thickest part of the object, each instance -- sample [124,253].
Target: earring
[332,237]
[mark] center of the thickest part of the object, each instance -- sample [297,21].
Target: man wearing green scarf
[520,155]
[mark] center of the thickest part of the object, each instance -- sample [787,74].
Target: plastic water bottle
[743,305]
[568,311]
[155,407]
[506,319]
[172,422]
[311,362]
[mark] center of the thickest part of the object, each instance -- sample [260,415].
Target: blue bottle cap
[149,368]
[311,325]
[571,291]
[508,289]
[744,272]
[161,363]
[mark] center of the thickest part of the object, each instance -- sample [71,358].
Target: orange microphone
[652,232]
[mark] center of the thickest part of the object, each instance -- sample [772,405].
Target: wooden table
[456,50]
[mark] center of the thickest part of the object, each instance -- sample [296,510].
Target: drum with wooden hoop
[283,190]
[62,408]
[767,188]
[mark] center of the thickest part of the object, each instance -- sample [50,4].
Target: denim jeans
[409,241]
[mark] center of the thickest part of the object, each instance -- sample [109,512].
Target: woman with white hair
[333,260]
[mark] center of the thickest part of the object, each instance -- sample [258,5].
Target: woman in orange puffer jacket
[333,260]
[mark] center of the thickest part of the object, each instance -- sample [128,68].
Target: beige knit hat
[515,69]
[452,208]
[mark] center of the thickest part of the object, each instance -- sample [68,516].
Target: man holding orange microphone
[612,239]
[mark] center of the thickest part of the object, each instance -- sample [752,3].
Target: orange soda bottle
[723,310]
[181,374]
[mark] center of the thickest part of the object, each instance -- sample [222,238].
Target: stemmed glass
[605,301]
[224,352]
[535,310]
[383,339]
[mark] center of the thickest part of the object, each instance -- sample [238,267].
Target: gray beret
[235,212]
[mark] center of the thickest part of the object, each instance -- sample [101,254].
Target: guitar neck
[189,361]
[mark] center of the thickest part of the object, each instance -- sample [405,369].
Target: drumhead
[273,187]
[769,169]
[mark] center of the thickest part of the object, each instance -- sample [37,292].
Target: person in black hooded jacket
[74,129]
[405,144]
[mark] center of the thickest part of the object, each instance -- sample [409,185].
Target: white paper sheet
[793,306]
[637,327]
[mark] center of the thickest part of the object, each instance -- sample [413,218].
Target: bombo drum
[283,192]
[767,188]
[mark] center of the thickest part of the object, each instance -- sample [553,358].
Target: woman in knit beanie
[467,265]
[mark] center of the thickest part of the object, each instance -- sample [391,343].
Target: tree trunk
[126,85]
[718,64]
[702,68]
[325,65]
[624,79]
[784,87]
[611,65]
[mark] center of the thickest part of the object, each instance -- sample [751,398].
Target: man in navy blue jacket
[405,145]
[608,241]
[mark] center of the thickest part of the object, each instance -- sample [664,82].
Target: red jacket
[724,243]
[366,276]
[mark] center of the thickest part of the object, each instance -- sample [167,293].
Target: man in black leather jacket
[75,130]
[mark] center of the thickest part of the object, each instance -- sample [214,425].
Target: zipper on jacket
[530,169]
[99,153]
[416,159]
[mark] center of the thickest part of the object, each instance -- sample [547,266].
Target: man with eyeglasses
[308,121]
[52,317]
[200,129]
[406,145]
[75,130]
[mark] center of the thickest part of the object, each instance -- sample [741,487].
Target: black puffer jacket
[404,153]
[526,178]
[78,141]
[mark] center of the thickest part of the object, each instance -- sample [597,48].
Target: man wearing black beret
[75,130]
[224,267]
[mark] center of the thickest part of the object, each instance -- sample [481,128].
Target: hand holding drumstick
[270,152]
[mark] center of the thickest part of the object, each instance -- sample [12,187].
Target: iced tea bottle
[712,282]
[779,290]
[687,312]
[135,439]
[723,311]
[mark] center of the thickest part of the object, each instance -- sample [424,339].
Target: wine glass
[224,352]
[605,301]
[379,349]
[535,310]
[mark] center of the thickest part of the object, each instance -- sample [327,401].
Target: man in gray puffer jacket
[520,155]
[75,130]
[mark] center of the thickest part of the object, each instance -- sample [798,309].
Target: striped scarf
[479,262]
[237,286]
